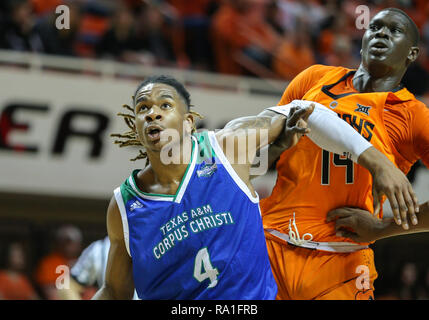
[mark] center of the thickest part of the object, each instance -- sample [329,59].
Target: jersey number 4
[338,162]
[203,268]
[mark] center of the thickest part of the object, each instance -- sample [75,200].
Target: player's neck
[170,166]
[377,79]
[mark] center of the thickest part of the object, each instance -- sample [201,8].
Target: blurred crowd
[26,274]
[262,38]
[408,280]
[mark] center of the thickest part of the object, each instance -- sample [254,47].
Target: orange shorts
[306,274]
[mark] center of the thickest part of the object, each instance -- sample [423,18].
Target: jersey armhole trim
[230,169]
[123,211]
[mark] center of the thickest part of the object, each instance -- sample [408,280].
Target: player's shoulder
[316,72]
[419,105]
[113,206]
[130,186]
[321,69]
[416,107]
[114,220]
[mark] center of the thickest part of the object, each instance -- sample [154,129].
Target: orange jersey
[311,181]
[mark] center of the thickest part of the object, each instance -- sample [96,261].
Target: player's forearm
[266,125]
[270,152]
[329,132]
[388,228]
[373,160]
[333,134]
[274,152]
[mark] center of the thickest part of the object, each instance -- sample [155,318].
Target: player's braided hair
[130,137]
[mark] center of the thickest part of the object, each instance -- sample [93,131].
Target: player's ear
[413,54]
[189,123]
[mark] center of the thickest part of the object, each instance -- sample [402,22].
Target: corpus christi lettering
[182,226]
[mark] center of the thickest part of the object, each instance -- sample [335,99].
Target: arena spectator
[14,283]
[120,38]
[335,45]
[18,32]
[226,40]
[67,247]
[294,54]
[239,29]
[194,17]
[408,282]
[159,34]
[93,24]
[60,41]
[42,7]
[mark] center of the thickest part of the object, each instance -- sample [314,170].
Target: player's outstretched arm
[118,283]
[326,130]
[243,137]
[367,228]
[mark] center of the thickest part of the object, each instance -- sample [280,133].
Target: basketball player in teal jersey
[188,225]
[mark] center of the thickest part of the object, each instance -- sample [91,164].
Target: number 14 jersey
[311,181]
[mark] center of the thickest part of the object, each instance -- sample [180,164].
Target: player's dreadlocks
[130,137]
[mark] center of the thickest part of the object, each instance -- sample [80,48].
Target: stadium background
[61,89]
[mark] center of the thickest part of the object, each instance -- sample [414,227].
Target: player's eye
[142,108]
[373,27]
[165,106]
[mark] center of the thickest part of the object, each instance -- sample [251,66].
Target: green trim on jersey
[127,191]
[205,149]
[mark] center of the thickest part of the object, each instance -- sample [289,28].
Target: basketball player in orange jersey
[308,260]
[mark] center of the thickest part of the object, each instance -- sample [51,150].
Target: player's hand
[296,125]
[391,182]
[357,224]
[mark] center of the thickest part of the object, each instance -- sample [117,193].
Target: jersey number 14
[338,161]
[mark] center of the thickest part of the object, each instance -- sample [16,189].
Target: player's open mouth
[379,47]
[154,132]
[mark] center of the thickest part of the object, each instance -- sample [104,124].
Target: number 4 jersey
[204,242]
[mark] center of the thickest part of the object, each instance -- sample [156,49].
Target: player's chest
[363,111]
